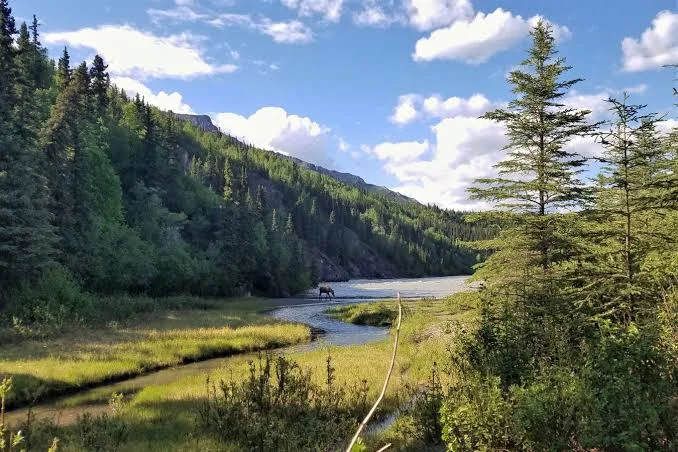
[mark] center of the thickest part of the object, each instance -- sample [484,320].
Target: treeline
[102,191]
[577,347]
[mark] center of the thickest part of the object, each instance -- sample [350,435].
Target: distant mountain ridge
[205,122]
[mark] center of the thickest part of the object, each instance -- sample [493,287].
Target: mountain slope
[205,123]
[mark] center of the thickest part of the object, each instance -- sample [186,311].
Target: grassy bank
[84,357]
[164,417]
[372,314]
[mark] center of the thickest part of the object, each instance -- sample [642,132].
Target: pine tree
[26,235]
[228,181]
[64,70]
[631,196]
[100,83]
[528,311]
[538,178]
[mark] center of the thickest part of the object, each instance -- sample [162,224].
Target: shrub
[103,433]
[631,377]
[52,302]
[476,417]
[280,408]
[549,410]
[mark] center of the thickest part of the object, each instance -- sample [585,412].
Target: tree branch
[388,378]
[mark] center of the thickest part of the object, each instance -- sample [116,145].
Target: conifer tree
[26,235]
[631,196]
[100,83]
[63,69]
[538,177]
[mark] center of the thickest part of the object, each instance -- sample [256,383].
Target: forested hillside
[123,198]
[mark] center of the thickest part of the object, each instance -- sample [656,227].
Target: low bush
[280,408]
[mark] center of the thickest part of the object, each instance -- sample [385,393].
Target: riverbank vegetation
[174,416]
[371,314]
[81,357]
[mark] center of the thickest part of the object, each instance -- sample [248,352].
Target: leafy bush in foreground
[280,408]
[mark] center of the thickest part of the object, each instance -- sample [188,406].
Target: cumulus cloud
[475,40]
[134,53]
[274,129]
[399,153]
[657,46]
[329,9]
[413,106]
[466,148]
[429,14]
[164,101]
[406,111]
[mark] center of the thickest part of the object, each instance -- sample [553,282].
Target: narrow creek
[307,309]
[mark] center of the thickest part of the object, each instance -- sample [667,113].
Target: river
[305,308]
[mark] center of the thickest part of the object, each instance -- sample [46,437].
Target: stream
[306,308]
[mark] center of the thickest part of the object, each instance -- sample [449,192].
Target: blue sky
[390,90]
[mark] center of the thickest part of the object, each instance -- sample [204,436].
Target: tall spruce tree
[538,178]
[634,192]
[527,311]
[26,235]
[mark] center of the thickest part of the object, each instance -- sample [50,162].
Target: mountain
[205,123]
[356,181]
[110,194]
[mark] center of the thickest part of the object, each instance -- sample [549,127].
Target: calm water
[304,309]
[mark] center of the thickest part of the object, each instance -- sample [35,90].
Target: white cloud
[292,32]
[398,153]
[182,12]
[475,40]
[429,14]
[139,54]
[413,106]
[475,105]
[466,148]
[372,14]
[329,9]
[406,110]
[657,46]
[274,129]
[162,100]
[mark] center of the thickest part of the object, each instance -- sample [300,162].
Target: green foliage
[575,349]
[105,432]
[476,417]
[53,301]
[280,408]
[631,382]
[373,314]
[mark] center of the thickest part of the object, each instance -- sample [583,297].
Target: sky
[389,90]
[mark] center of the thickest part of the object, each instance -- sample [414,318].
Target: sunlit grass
[174,337]
[164,416]
[169,411]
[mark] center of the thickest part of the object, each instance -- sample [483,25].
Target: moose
[327,290]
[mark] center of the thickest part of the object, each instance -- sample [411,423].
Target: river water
[306,308]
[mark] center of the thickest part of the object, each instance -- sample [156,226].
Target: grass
[372,314]
[85,357]
[163,417]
